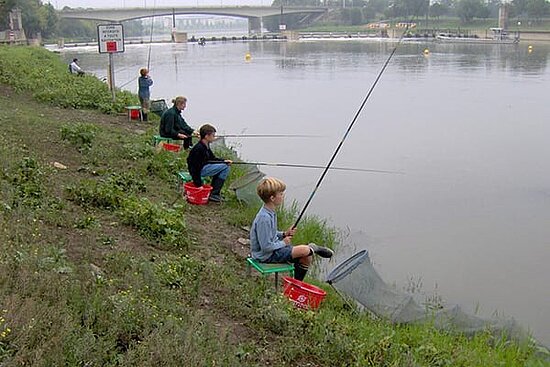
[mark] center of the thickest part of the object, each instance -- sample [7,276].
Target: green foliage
[141,306]
[310,229]
[467,10]
[163,225]
[36,16]
[40,72]
[88,221]
[165,165]
[80,135]
[94,194]
[27,180]
[183,272]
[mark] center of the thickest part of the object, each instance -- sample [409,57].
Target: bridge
[254,14]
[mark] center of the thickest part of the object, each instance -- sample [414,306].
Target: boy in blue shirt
[269,245]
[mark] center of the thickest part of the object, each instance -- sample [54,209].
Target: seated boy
[271,246]
[202,162]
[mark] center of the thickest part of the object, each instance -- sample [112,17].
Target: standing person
[74,68]
[173,125]
[269,245]
[197,163]
[144,83]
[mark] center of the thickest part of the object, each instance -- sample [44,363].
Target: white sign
[282,27]
[110,38]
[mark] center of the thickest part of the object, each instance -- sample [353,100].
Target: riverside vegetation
[102,265]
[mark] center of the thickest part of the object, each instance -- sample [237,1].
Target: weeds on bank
[79,135]
[36,70]
[147,307]
[117,192]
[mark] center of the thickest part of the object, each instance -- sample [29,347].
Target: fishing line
[267,136]
[151,36]
[150,46]
[308,166]
[349,129]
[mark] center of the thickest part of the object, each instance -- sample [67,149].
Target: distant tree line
[363,11]
[36,16]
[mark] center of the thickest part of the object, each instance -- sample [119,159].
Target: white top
[75,68]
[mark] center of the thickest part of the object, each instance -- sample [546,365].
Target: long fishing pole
[150,46]
[267,136]
[151,36]
[310,166]
[348,130]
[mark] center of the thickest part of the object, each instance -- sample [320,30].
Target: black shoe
[321,251]
[215,198]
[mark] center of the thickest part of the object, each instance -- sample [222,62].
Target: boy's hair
[268,187]
[206,129]
[143,71]
[179,99]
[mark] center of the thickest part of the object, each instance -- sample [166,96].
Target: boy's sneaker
[321,251]
[215,198]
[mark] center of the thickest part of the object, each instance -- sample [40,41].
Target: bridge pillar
[254,25]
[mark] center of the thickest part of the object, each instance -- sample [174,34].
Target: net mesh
[158,106]
[357,279]
[245,186]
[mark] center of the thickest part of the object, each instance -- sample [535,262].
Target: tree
[467,10]
[536,9]
[438,9]
[36,17]
[519,7]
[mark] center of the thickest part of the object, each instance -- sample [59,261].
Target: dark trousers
[187,142]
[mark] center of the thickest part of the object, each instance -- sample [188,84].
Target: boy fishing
[269,245]
[203,163]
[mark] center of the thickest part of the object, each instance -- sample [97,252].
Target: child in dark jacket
[202,162]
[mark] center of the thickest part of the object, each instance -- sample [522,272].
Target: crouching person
[269,245]
[202,162]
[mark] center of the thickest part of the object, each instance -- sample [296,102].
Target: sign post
[110,40]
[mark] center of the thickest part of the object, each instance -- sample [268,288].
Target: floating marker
[247,57]
[426,51]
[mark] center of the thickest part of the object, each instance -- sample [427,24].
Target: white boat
[500,36]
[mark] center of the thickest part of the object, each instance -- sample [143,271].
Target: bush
[49,81]
[79,135]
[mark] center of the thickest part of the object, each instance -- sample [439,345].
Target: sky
[59,4]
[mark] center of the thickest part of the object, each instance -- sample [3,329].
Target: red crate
[302,294]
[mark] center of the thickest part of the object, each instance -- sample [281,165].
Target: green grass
[94,273]
[48,80]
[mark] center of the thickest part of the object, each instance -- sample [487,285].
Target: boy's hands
[289,232]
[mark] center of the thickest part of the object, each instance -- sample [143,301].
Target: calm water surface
[467,124]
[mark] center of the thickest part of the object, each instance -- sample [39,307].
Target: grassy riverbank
[103,266]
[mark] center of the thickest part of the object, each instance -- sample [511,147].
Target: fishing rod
[150,46]
[151,36]
[355,117]
[268,136]
[308,166]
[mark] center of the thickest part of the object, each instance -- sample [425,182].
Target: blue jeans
[215,169]
[282,255]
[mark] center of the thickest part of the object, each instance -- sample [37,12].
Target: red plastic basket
[171,147]
[302,294]
[134,114]
[197,195]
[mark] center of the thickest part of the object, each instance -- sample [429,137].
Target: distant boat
[500,36]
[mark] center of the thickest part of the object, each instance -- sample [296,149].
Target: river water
[467,125]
